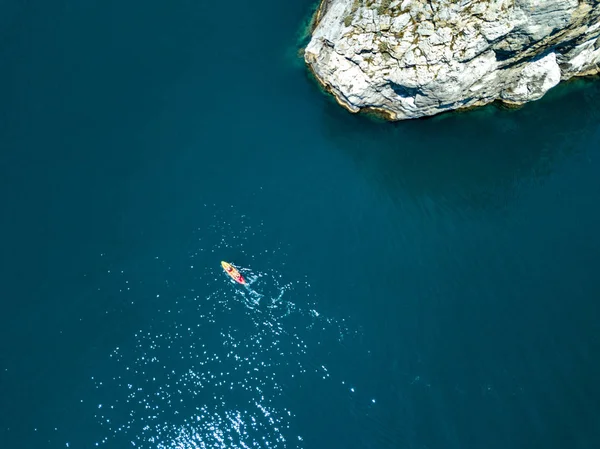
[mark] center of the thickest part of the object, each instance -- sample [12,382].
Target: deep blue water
[427,284]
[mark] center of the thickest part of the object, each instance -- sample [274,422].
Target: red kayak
[233,273]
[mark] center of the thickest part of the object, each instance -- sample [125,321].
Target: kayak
[233,273]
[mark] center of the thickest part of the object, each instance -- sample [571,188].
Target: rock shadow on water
[475,159]
[481,160]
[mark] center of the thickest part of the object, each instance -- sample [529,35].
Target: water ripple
[210,366]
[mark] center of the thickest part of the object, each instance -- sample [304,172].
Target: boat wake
[261,286]
[209,366]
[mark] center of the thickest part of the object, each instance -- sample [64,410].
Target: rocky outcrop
[413,58]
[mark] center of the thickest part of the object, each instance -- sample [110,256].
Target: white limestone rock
[533,81]
[412,58]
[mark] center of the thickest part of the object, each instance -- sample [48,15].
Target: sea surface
[432,284]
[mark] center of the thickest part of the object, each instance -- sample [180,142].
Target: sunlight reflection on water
[211,368]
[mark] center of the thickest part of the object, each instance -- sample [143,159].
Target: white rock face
[413,58]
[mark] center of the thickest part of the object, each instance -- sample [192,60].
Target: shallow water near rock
[424,284]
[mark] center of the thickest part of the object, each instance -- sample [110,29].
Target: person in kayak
[233,272]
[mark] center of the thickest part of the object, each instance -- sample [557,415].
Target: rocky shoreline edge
[416,58]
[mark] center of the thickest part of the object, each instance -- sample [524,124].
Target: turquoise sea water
[426,284]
